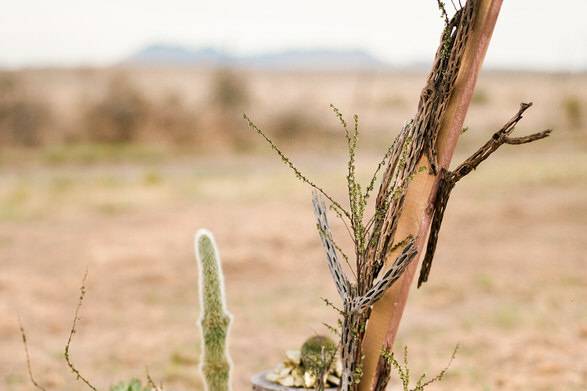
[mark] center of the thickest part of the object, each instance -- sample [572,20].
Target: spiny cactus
[215,319]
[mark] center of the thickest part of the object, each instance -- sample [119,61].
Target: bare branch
[441,374]
[388,361]
[28,357]
[443,12]
[290,164]
[332,305]
[332,329]
[528,139]
[497,140]
[390,150]
[72,331]
[444,189]
[151,382]
[342,218]
[449,179]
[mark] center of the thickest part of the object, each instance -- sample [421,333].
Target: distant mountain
[295,59]
[314,59]
[178,55]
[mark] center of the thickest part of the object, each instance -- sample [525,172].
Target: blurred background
[121,133]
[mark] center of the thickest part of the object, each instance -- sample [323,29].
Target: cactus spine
[214,318]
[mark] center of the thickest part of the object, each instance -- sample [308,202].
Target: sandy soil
[508,284]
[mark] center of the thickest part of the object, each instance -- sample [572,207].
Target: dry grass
[507,284]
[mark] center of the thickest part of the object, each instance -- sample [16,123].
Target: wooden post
[416,216]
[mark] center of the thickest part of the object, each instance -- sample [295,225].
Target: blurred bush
[110,111]
[115,113]
[229,97]
[23,115]
[293,125]
[119,115]
[228,90]
[174,123]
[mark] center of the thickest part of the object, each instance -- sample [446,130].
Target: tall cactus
[214,319]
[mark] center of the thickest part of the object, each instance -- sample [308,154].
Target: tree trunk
[416,215]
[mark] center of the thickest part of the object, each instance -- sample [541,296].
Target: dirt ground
[508,285]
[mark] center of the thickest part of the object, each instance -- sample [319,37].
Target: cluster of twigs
[67,350]
[403,371]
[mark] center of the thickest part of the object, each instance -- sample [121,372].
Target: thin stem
[387,155]
[341,217]
[72,331]
[290,164]
[28,357]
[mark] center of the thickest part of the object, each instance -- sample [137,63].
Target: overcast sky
[538,34]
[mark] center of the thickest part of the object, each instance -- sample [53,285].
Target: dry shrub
[125,114]
[224,131]
[223,124]
[23,116]
[175,123]
[294,125]
[228,90]
[119,116]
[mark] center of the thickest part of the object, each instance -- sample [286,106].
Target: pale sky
[536,34]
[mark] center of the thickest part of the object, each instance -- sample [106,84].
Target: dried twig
[421,383]
[331,328]
[28,357]
[388,361]
[332,305]
[450,178]
[72,331]
[151,382]
[443,12]
[286,160]
[499,138]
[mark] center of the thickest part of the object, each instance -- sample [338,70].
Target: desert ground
[508,284]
